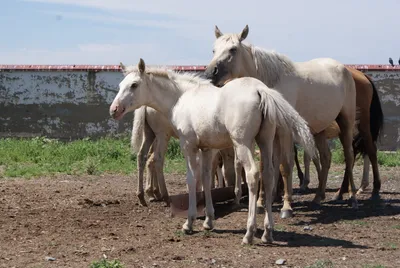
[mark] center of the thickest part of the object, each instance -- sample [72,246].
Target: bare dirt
[78,220]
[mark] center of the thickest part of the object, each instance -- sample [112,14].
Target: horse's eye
[134,85]
[233,50]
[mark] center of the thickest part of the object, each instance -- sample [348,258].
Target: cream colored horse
[151,132]
[206,118]
[321,90]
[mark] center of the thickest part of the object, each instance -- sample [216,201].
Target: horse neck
[270,67]
[164,95]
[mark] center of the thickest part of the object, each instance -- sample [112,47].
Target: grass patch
[355,222]
[321,264]
[373,266]
[106,264]
[396,227]
[386,159]
[42,156]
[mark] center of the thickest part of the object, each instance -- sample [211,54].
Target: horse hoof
[353,203]
[286,214]
[375,198]
[247,240]
[267,237]
[337,197]
[142,201]
[315,206]
[302,190]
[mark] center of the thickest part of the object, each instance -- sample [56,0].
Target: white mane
[184,80]
[270,65]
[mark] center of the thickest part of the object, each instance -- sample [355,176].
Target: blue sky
[170,32]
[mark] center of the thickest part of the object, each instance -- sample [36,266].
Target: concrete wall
[70,102]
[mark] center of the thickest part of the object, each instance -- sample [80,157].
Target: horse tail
[139,121]
[287,119]
[376,119]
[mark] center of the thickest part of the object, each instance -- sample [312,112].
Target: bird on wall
[391,61]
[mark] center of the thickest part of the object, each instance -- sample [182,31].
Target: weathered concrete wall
[70,102]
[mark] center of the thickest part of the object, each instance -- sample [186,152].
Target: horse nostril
[215,71]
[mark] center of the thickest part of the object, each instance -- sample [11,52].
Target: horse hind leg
[325,159]
[152,189]
[346,124]
[265,141]
[286,169]
[298,167]
[372,151]
[244,156]
[159,157]
[142,160]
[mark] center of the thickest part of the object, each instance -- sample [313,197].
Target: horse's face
[131,94]
[228,55]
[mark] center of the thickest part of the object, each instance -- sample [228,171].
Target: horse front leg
[365,177]
[191,174]
[206,162]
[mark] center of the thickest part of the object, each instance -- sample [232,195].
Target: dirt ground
[78,220]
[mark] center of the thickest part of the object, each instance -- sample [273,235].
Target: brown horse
[370,124]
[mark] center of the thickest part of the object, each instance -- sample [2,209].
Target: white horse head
[131,93]
[230,58]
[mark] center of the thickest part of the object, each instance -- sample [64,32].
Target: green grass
[321,264]
[106,264]
[385,159]
[41,156]
[355,222]
[373,266]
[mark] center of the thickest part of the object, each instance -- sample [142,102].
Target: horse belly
[215,140]
[321,94]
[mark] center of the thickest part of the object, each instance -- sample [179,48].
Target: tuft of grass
[279,228]
[106,264]
[321,264]
[356,222]
[373,266]
[41,156]
[396,227]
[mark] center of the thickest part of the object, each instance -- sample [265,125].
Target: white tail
[138,128]
[275,106]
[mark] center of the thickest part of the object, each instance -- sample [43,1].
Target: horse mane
[193,79]
[270,65]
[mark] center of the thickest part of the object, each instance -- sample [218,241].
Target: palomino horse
[369,127]
[206,118]
[321,90]
[151,133]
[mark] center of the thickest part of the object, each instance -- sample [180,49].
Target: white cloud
[355,31]
[157,23]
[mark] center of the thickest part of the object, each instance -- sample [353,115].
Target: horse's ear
[141,65]
[217,32]
[244,33]
[123,68]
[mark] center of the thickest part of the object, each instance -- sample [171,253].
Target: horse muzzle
[117,111]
